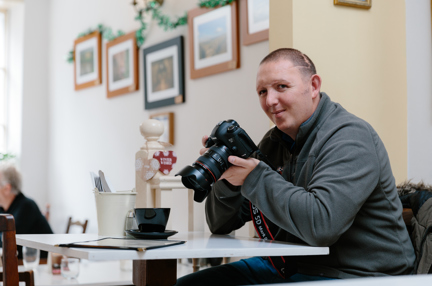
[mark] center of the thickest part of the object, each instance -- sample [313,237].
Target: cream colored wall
[361,56]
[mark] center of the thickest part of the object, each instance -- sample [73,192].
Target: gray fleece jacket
[337,189]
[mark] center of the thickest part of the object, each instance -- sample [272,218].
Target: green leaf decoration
[214,3]
[6,156]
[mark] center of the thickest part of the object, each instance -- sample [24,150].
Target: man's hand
[241,168]
[203,141]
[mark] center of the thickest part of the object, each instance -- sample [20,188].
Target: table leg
[154,272]
[195,264]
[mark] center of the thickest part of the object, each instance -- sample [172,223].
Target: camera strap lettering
[263,231]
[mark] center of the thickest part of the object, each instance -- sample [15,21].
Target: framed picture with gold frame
[87,61]
[167,118]
[213,40]
[122,65]
[365,4]
[255,16]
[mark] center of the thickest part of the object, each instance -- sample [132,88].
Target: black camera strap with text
[263,232]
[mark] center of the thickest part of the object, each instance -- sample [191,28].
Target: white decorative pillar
[146,168]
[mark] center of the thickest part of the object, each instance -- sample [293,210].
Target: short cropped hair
[295,56]
[9,174]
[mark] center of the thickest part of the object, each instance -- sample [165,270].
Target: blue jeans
[249,271]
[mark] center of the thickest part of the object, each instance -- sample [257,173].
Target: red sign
[167,160]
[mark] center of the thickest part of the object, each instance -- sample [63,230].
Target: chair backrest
[10,269]
[78,223]
[10,275]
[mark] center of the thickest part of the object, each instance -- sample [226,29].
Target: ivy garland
[163,21]
[214,3]
[106,33]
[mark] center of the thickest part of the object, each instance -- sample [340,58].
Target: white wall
[89,132]
[419,75]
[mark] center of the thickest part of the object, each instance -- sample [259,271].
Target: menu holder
[123,243]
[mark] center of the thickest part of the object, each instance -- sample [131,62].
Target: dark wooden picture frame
[249,35]
[164,74]
[88,61]
[365,4]
[218,50]
[122,65]
[167,118]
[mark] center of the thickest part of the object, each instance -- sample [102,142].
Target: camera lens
[206,170]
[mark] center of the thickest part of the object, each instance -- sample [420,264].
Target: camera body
[227,138]
[229,133]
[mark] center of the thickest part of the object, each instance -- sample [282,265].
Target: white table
[91,274]
[158,266]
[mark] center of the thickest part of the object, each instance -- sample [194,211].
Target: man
[335,187]
[28,217]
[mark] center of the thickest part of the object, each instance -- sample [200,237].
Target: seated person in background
[28,217]
[335,188]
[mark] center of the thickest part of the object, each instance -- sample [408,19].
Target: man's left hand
[241,168]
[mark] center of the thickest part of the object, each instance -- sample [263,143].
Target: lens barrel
[207,169]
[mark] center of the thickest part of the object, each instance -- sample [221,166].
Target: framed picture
[87,61]
[167,119]
[122,65]
[213,40]
[255,16]
[164,74]
[365,4]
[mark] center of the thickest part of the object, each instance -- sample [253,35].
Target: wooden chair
[10,275]
[77,223]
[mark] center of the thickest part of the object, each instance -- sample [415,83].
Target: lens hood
[195,178]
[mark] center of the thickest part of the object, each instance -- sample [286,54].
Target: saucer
[150,235]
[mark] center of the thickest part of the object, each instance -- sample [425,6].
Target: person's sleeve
[343,175]
[30,220]
[226,208]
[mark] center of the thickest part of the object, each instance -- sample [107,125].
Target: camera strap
[263,231]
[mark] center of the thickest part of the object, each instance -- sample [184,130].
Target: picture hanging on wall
[213,40]
[164,74]
[365,4]
[87,61]
[255,15]
[167,118]
[122,65]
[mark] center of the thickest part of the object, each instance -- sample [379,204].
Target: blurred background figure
[28,217]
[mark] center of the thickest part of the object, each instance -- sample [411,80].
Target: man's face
[286,95]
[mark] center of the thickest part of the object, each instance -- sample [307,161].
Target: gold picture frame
[167,118]
[365,4]
[88,61]
[122,65]
[213,40]
[254,21]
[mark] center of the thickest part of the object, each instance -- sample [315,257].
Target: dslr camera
[227,138]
